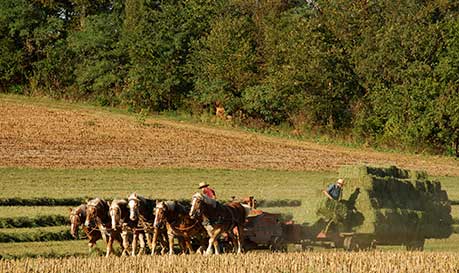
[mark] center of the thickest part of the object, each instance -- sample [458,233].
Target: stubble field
[46,135]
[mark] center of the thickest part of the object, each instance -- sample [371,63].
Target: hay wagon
[384,206]
[380,206]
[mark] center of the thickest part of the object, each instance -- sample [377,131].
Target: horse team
[139,220]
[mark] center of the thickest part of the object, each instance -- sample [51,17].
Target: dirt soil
[36,135]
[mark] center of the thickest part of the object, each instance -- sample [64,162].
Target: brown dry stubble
[33,135]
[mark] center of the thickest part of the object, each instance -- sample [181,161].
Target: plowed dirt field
[39,135]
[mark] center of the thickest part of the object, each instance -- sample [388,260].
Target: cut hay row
[60,233]
[41,201]
[37,221]
[317,262]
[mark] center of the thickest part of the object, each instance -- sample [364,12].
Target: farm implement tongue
[321,235]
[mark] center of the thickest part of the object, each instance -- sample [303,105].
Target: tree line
[384,72]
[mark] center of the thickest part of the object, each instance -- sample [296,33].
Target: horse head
[198,202]
[76,219]
[162,212]
[96,212]
[116,212]
[133,205]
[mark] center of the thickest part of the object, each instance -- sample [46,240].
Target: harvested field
[34,134]
[394,261]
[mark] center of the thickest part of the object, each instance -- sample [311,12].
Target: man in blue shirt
[333,192]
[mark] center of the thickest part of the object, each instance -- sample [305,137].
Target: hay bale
[392,203]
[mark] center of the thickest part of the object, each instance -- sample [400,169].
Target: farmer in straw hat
[205,189]
[333,192]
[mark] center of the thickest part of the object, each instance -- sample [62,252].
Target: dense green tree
[224,63]
[18,19]
[446,107]
[99,59]
[158,38]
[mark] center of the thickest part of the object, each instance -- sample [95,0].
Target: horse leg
[188,245]
[210,245]
[92,241]
[125,239]
[103,232]
[135,237]
[154,242]
[202,246]
[170,237]
[91,245]
[239,239]
[182,244]
[149,239]
[213,242]
[216,246]
[142,243]
[164,241]
[118,236]
[109,246]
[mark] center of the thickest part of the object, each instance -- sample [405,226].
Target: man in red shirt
[205,189]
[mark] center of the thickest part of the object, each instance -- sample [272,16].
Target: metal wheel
[348,243]
[278,245]
[416,245]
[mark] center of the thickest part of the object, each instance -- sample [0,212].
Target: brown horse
[142,209]
[218,218]
[119,215]
[178,223]
[97,217]
[77,218]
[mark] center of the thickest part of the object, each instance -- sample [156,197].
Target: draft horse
[174,215]
[119,215]
[77,217]
[142,210]
[97,217]
[218,218]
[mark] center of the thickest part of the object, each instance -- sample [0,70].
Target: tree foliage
[382,71]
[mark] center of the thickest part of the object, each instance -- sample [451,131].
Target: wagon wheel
[278,245]
[353,243]
[349,243]
[416,245]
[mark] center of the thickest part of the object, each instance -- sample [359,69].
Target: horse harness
[220,220]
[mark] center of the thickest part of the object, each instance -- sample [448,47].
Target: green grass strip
[37,221]
[278,203]
[35,235]
[41,201]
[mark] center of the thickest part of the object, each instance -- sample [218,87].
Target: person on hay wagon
[333,192]
[205,189]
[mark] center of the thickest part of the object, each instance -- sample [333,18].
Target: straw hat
[202,185]
[340,181]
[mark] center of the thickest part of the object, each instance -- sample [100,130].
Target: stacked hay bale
[397,206]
